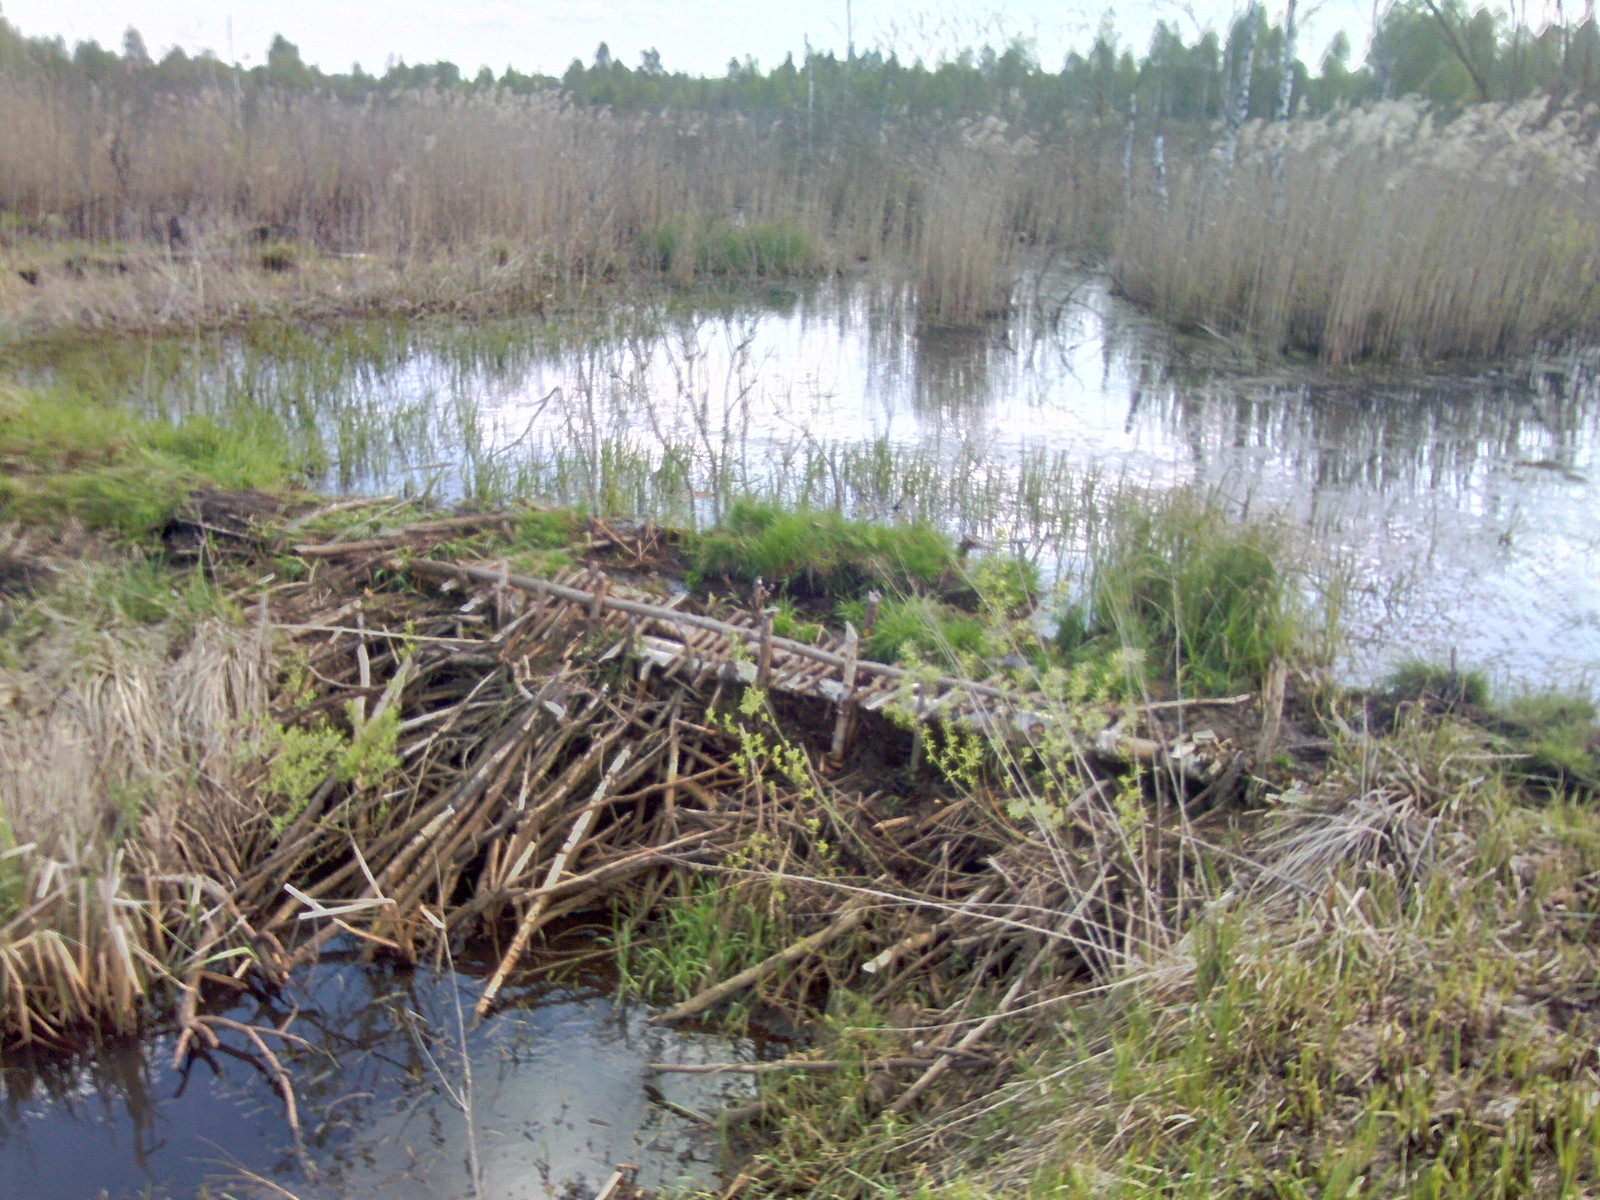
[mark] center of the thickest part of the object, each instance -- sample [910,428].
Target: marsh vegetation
[976,568]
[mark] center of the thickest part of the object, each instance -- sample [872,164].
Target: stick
[947,1057]
[847,698]
[619,1177]
[847,920]
[557,869]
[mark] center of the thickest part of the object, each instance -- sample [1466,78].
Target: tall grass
[122,786]
[503,188]
[1381,234]
[1387,233]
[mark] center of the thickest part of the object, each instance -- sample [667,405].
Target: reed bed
[1389,233]
[491,195]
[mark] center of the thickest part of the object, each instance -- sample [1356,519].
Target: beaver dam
[1022,917]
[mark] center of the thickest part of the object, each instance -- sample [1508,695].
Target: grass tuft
[819,553]
[1210,602]
[69,456]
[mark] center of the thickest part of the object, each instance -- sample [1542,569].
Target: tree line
[1439,49]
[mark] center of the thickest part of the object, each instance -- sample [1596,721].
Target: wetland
[859,630]
[1450,510]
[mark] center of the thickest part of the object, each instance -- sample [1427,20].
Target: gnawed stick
[620,1178]
[557,869]
[847,920]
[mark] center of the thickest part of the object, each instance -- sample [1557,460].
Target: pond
[1456,510]
[554,1088]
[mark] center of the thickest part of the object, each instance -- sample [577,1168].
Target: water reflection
[1459,502]
[558,1096]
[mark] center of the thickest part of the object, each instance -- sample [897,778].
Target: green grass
[1416,681]
[1558,735]
[1552,736]
[706,933]
[685,247]
[1209,601]
[819,553]
[920,628]
[66,455]
[548,529]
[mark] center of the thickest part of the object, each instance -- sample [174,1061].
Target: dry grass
[493,192]
[1382,234]
[120,770]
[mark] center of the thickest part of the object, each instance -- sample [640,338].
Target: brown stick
[444,570]
[847,920]
[557,869]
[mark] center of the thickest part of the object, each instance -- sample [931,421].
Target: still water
[1461,509]
[554,1090]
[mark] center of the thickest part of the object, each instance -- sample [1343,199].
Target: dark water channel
[558,1092]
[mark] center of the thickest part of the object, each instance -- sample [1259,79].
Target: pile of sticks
[547,766]
[550,747]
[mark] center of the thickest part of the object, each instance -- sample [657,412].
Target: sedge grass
[1208,602]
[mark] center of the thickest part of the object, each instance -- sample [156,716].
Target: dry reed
[502,188]
[1384,233]
[119,761]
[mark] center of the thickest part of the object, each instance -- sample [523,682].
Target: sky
[698,36]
